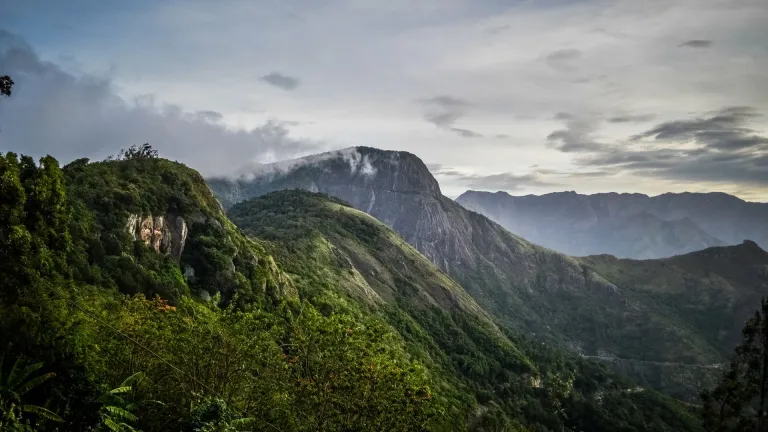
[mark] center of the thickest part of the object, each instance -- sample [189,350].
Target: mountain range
[127,283]
[625,225]
[664,321]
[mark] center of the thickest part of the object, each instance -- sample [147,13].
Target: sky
[524,96]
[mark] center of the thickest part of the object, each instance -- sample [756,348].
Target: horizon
[526,97]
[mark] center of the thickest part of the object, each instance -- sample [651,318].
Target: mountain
[625,225]
[328,246]
[125,285]
[572,302]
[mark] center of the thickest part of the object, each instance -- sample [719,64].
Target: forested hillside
[499,380]
[668,323]
[129,301]
[110,321]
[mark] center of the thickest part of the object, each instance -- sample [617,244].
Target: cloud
[500,181]
[717,146]
[637,118]
[563,59]
[358,164]
[697,43]
[578,134]
[498,29]
[466,133]
[71,116]
[564,55]
[279,80]
[443,111]
[723,130]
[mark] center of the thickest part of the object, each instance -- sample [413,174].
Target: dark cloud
[279,80]
[563,59]
[697,43]
[716,147]
[466,133]
[577,135]
[443,111]
[502,136]
[638,118]
[72,116]
[446,101]
[498,29]
[443,118]
[724,130]
[564,54]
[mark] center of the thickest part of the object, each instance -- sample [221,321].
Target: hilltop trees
[738,402]
[6,84]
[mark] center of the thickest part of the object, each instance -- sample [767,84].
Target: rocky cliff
[164,234]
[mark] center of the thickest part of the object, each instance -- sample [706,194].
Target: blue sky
[523,96]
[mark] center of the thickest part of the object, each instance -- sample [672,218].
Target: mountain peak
[364,171]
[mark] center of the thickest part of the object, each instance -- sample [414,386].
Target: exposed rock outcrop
[165,234]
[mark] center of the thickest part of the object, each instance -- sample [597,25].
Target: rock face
[587,305]
[165,234]
[625,225]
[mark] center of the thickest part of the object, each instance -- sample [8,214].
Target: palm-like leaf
[34,382]
[118,427]
[14,385]
[42,412]
[241,423]
[119,390]
[18,376]
[120,412]
[128,382]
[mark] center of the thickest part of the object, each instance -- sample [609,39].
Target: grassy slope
[324,242]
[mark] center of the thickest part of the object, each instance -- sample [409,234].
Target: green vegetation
[738,402]
[668,324]
[130,302]
[110,322]
[6,85]
[490,379]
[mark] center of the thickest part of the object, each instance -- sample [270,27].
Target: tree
[119,404]
[144,151]
[738,401]
[6,84]
[15,384]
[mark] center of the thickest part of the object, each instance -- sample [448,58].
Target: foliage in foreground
[277,361]
[738,401]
